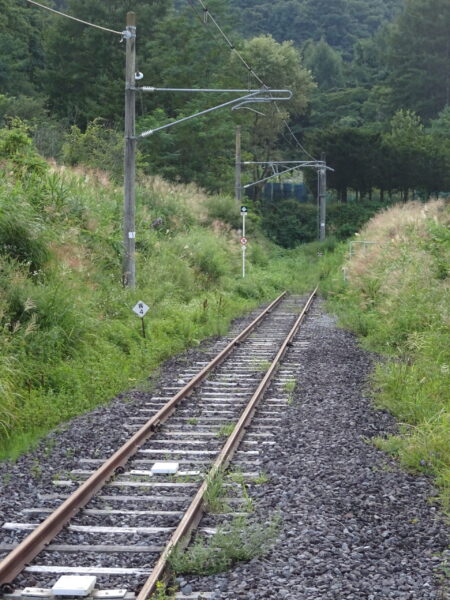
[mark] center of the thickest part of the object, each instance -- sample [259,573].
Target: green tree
[354,154]
[341,22]
[21,53]
[280,67]
[203,149]
[419,57]
[440,127]
[84,71]
[405,151]
[183,54]
[325,63]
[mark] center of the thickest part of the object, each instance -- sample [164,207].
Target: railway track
[115,521]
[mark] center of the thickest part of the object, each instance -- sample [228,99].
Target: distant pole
[244,247]
[238,187]
[129,265]
[322,175]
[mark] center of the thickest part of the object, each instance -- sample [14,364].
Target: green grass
[242,540]
[66,321]
[214,497]
[163,592]
[226,430]
[397,300]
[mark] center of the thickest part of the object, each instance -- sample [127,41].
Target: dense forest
[341,23]
[371,83]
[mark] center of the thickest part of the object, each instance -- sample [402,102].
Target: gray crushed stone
[98,434]
[354,524]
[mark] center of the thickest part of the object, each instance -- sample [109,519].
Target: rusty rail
[29,548]
[195,511]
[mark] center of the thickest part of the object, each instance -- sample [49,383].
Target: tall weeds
[66,322]
[397,298]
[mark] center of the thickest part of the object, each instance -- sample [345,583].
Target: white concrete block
[74,585]
[165,468]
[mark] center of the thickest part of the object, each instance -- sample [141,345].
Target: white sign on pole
[140,309]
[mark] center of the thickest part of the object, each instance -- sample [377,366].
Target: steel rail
[29,548]
[195,511]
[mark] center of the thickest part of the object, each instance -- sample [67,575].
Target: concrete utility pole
[322,198]
[129,209]
[238,188]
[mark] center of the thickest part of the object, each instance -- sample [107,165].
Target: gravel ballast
[354,525]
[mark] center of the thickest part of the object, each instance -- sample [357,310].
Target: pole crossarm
[317,164]
[147,88]
[251,96]
[283,166]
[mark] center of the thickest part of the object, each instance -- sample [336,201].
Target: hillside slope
[68,337]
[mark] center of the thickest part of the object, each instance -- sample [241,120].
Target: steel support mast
[129,202]
[238,167]
[322,199]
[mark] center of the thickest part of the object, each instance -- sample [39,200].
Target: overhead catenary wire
[295,138]
[201,18]
[75,18]
[207,14]
[230,43]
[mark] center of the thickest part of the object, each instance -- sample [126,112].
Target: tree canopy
[340,23]
[419,57]
[370,82]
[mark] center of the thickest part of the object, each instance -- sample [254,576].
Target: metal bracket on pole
[251,96]
[127,34]
[281,167]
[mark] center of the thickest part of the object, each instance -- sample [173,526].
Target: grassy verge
[397,299]
[69,340]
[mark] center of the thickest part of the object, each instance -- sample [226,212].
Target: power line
[74,18]
[207,14]
[201,19]
[294,136]
[230,44]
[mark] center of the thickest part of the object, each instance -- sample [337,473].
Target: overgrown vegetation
[66,322]
[226,430]
[163,592]
[397,299]
[214,497]
[240,540]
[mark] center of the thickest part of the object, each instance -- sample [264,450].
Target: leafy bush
[224,208]
[17,149]
[289,222]
[98,147]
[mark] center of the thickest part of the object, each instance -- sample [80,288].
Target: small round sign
[244,241]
